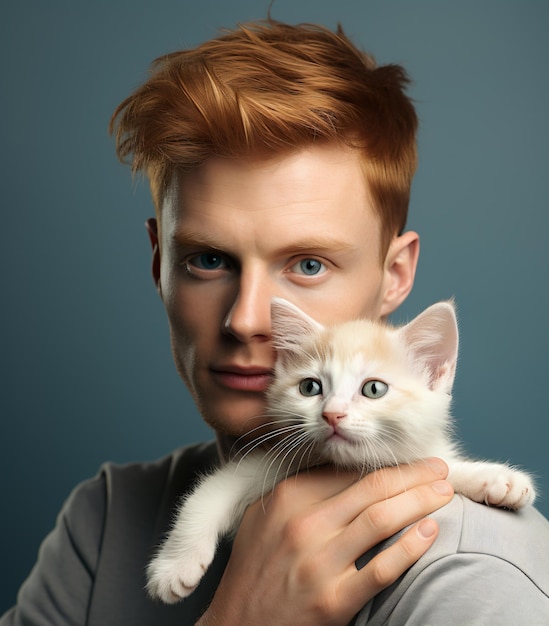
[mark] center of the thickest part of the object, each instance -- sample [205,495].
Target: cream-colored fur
[360,395]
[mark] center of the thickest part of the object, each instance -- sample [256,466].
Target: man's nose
[249,318]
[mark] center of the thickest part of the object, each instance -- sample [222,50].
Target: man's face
[236,233]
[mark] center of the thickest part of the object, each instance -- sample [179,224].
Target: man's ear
[399,270]
[152,228]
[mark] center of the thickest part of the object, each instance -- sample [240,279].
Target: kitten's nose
[332,417]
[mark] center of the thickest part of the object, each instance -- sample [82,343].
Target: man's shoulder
[482,558]
[520,538]
[190,459]
[182,465]
[140,488]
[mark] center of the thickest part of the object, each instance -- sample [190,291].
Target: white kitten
[360,395]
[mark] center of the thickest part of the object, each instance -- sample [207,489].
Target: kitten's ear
[290,325]
[432,338]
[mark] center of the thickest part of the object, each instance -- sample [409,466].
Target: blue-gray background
[86,368]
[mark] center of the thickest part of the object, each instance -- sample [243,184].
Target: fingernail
[442,487]
[426,528]
[438,466]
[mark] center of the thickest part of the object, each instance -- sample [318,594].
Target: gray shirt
[487,566]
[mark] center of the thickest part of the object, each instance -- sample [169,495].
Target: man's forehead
[303,163]
[312,200]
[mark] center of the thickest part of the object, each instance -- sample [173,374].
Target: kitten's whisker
[272,428]
[311,449]
[286,448]
[276,451]
[281,449]
[390,436]
[298,465]
[285,433]
[263,426]
[308,450]
[290,444]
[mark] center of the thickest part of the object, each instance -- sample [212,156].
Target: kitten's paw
[173,575]
[505,487]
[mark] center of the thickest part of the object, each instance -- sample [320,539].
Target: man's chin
[242,420]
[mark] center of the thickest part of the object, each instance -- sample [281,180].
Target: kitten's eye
[310,387]
[374,389]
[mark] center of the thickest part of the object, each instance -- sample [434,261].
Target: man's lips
[255,379]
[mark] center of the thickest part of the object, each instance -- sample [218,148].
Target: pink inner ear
[432,339]
[290,325]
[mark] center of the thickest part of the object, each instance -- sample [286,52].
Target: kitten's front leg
[496,484]
[213,509]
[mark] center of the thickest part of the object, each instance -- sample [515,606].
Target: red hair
[266,88]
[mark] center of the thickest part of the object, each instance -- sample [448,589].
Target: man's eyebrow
[320,244]
[316,244]
[193,238]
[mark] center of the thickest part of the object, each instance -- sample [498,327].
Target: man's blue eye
[310,267]
[208,261]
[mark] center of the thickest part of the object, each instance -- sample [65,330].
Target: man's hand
[293,559]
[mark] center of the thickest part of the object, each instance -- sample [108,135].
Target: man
[280,161]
